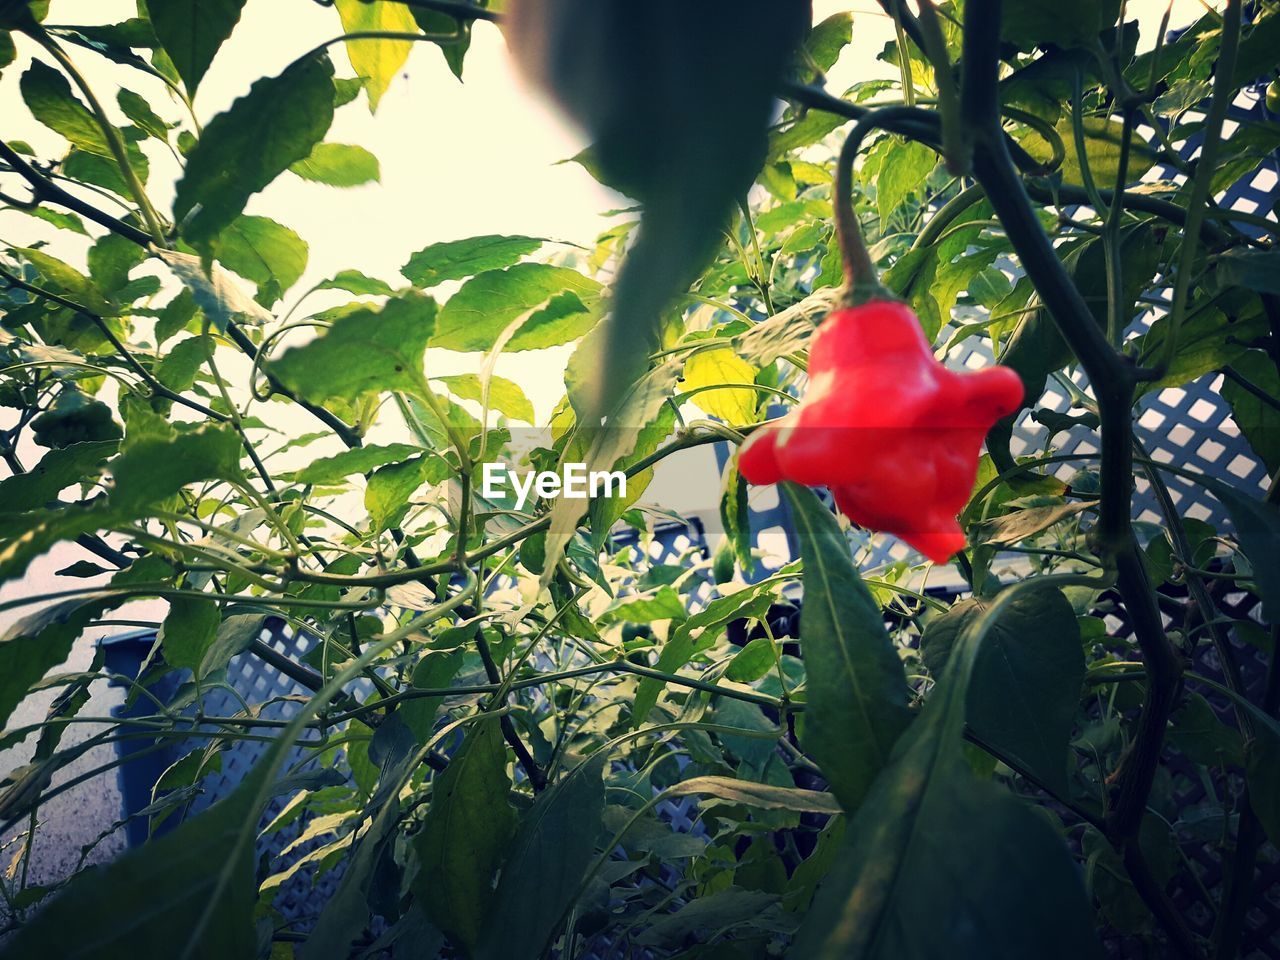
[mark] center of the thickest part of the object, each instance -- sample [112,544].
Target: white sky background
[458,160]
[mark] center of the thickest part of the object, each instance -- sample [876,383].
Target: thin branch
[157,388]
[45,190]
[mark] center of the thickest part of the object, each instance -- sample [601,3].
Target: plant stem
[114,141]
[44,189]
[861,281]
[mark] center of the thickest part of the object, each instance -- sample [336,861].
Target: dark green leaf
[49,98]
[1257,527]
[232,636]
[189,893]
[753,661]
[276,124]
[1258,420]
[75,419]
[677,124]
[857,691]
[464,837]
[136,108]
[191,31]
[188,631]
[1026,682]
[1030,23]
[893,892]
[549,857]
[39,642]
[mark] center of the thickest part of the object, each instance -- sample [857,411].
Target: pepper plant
[499,700]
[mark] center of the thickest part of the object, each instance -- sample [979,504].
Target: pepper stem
[861,282]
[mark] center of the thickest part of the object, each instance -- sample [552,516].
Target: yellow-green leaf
[377,61]
[712,368]
[1102,139]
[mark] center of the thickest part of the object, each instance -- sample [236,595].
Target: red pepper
[892,432]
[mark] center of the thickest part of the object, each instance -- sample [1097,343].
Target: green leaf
[828,39]
[477,314]
[49,98]
[188,893]
[136,108]
[1257,527]
[906,167]
[265,252]
[1258,420]
[1102,142]
[926,821]
[1029,23]
[377,61]
[233,636]
[454,48]
[1023,524]
[549,857]
[339,165]
[335,469]
[697,633]
[176,316]
[57,470]
[753,661]
[465,835]
[459,259]
[188,631]
[158,466]
[504,395]
[181,363]
[1207,341]
[711,368]
[735,514]
[191,31]
[857,691]
[276,124]
[74,419]
[1025,688]
[762,796]
[353,281]
[58,218]
[602,448]
[66,279]
[387,494]
[1204,739]
[111,260]
[665,604]
[367,350]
